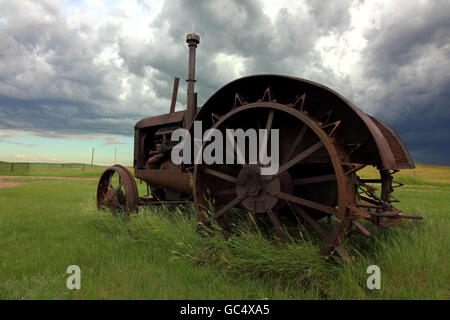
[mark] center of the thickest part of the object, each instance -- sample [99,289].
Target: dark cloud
[408,59]
[405,36]
[64,75]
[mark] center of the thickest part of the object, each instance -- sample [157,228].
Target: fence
[27,167]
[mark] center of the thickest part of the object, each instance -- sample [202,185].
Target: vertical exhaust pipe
[193,40]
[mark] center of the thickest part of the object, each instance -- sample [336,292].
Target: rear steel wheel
[117,190]
[310,182]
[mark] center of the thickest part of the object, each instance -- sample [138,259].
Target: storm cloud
[70,70]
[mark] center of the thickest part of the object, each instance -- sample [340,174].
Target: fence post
[12,166]
[28,166]
[83,166]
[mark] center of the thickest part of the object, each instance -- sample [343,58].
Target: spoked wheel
[310,181]
[117,190]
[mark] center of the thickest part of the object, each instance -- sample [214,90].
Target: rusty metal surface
[170,178]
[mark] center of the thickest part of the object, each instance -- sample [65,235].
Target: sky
[77,75]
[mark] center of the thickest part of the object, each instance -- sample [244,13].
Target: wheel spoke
[227,207]
[224,192]
[277,226]
[298,158]
[269,122]
[316,179]
[268,128]
[237,154]
[345,257]
[297,141]
[119,186]
[308,203]
[220,175]
[310,220]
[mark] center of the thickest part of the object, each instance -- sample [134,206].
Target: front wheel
[117,190]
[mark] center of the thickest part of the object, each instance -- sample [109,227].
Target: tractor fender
[367,139]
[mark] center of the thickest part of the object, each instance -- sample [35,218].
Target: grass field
[48,224]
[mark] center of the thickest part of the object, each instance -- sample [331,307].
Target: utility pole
[92,160]
[115,154]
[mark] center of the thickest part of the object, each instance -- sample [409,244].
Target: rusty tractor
[324,140]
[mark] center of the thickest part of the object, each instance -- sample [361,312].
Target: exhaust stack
[193,40]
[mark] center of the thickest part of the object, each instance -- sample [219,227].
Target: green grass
[47,225]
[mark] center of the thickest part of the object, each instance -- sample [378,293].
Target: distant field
[51,169]
[49,224]
[423,174]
